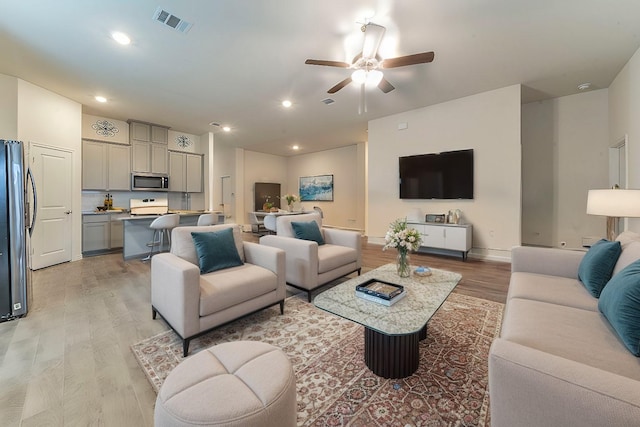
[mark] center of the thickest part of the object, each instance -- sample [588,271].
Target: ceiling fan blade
[340,85]
[385,86]
[327,63]
[401,61]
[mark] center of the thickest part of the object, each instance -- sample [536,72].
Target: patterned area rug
[335,387]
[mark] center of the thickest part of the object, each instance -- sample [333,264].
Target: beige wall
[624,114]
[490,124]
[346,164]
[565,153]
[8,107]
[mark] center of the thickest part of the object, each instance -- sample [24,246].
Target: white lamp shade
[359,76]
[374,77]
[614,203]
[371,78]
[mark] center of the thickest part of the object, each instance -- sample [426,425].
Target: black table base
[392,356]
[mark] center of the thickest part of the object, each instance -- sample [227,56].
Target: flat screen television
[447,175]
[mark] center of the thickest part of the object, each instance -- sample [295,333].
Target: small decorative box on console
[440,218]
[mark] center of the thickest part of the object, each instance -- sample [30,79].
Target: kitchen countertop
[179,212]
[115,211]
[125,211]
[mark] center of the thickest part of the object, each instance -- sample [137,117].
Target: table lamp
[614,204]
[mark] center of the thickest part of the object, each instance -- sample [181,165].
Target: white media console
[444,237]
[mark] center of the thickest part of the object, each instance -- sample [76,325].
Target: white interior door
[51,239]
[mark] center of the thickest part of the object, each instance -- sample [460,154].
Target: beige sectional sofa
[558,361]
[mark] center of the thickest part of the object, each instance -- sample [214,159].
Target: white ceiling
[241,58]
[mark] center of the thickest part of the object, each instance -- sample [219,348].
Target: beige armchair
[310,265]
[193,303]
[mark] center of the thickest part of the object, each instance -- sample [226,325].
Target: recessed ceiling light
[295,147]
[101,99]
[286,103]
[226,128]
[584,86]
[121,38]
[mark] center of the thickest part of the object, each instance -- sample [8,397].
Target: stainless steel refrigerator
[16,226]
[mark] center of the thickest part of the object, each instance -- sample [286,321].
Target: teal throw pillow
[307,230]
[216,250]
[597,265]
[620,304]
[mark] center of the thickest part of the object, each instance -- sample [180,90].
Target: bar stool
[207,219]
[162,225]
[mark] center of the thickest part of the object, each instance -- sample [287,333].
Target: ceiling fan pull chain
[364,97]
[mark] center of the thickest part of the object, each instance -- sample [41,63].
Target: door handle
[68,212]
[32,224]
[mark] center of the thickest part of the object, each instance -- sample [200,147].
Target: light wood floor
[68,363]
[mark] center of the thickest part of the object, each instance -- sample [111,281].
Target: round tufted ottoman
[240,383]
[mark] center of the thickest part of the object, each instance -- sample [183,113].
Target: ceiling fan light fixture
[370,78]
[359,76]
[374,77]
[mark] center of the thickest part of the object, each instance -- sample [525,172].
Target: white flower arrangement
[290,198]
[402,238]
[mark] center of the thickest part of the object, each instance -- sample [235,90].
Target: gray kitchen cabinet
[105,166]
[176,172]
[149,147]
[194,173]
[185,172]
[148,132]
[102,232]
[139,131]
[119,173]
[116,231]
[148,157]
[95,233]
[159,156]
[159,134]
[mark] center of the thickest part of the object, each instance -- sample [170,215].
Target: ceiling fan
[367,64]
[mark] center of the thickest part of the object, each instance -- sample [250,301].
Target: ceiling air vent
[170,20]
[328,101]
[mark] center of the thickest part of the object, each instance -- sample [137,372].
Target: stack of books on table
[381,292]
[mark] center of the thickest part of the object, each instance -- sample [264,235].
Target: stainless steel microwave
[149,182]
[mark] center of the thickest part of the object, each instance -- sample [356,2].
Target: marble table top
[408,315]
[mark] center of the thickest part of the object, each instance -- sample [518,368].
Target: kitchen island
[137,233]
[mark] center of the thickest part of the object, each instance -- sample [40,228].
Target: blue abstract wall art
[316,188]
